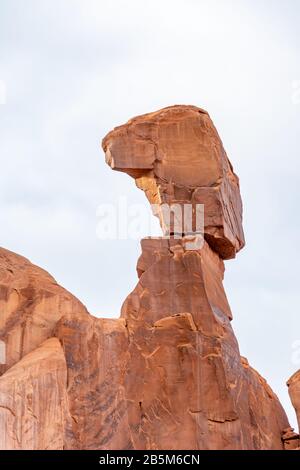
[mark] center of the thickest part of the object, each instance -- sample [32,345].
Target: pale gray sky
[74,69]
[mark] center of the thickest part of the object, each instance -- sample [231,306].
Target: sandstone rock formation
[291,440]
[33,400]
[168,373]
[176,156]
[31,303]
[294,392]
[175,381]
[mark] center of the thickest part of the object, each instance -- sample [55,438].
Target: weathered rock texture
[31,303]
[34,411]
[176,156]
[294,392]
[168,373]
[291,440]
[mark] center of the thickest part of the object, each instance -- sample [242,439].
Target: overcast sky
[74,69]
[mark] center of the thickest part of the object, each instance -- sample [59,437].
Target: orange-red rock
[180,331]
[291,440]
[168,374]
[294,392]
[169,367]
[34,410]
[176,156]
[31,303]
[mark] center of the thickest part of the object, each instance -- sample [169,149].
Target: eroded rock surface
[176,156]
[168,373]
[31,303]
[291,440]
[33,400]
[294,392]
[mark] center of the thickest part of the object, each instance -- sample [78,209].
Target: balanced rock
[176,156]
[168,373]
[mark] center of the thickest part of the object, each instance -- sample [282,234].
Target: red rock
[294,392]
[168,374]
[176,156]
[33,400]
[167,368]
[96,352]
[290,439]
[190,368]
[31,303]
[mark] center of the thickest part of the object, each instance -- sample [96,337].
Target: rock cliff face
[168,373]
[33,400]
[294,392]
[31,303]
